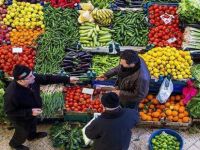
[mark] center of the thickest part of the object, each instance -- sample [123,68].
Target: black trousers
[23,130]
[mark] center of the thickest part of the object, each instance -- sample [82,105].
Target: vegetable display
[60,33]
[102,3]
[194,106]
[91,35]
[64,3]
[164,30]
[163,15]
[25,14]
[130,28]
[191,38]
[189,11]
[76,62]
[2,114]
[67,136]
[167,60]
[103,63]
[52,104]
[79,102]
[195,71]
[10,59]
[24,37]
[173,110]
[165,141]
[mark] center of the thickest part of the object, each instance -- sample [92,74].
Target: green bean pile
[60,34]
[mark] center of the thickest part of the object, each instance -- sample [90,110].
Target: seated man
[112,129]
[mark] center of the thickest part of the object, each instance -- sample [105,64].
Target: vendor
[112,129]
[133,79]
[23,103]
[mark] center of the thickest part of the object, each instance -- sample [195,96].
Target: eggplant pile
[77,63]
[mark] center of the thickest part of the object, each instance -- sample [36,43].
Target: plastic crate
[75,116]
[168,131]
[154,86]
[132,3]
[110,82]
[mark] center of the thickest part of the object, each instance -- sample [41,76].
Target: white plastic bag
[165,90]
[85,138]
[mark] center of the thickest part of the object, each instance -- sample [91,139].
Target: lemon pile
[168,60]
[25,14]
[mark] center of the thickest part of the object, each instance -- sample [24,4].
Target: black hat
[110,100]
[130,56]
[20,72]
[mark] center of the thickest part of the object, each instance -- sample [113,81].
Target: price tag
[167,18]
[171,40]
[17,50]
[88,91]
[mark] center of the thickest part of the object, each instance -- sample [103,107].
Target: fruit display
[4,34]
[86,13]
[103,63]
[163,15]
[173,110]
[194,106]
[130,28]
[165,141]
[168,60]
[187,9]
[64,3]
[191,38]
[79,102]
[25,37]
[165,36]
[25,14]
[102,16]
[10,59]
[3,12]
[91,35]
[59,34]
[76,62]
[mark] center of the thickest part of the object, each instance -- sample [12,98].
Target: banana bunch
[103,16]
[91,35]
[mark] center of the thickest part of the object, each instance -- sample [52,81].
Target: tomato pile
[76,101]
[159,14]
[165,26]
[8,59]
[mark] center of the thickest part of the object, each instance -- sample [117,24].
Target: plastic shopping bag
[165,90]
[85,138]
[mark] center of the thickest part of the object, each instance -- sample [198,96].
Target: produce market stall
[84,39]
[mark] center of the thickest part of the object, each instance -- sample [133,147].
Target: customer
[112,129]
[133,79]
[23,103]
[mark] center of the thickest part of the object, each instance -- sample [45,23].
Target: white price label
[171,40]
[88,91]
[167,18]
[17,50]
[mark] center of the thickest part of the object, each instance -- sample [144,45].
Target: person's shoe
[20,147]
[38,135]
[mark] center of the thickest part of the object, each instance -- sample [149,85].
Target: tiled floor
[139,139]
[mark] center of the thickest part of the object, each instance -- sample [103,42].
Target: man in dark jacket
[23,103]
[112,129]
[133,79]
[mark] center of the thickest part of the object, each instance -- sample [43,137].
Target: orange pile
[173,110]
[24,37]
